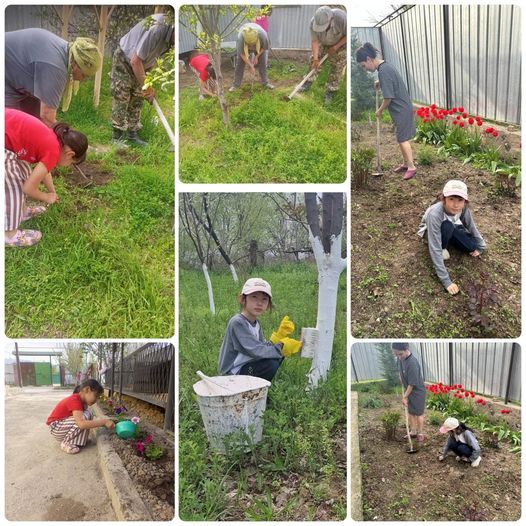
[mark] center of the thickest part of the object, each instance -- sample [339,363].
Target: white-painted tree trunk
[330,266]
[210,291]
[234,273]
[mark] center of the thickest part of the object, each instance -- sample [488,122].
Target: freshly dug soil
[93,171]
[395,290]
[417,487]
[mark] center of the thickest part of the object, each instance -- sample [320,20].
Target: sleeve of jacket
[246,343]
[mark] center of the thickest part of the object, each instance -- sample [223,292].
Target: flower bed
[149,459]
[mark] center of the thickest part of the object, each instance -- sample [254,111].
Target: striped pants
[67,431]
[16,174]
[210,84]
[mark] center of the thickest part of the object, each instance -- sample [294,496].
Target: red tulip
[495,134]
[461,109]
[454,110]
[466,394]
[489,129]
[464,115]
[462,389]
[471,120]
[461,124]
[479,123]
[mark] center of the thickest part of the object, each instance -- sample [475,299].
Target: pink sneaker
[400,168]
[410,174]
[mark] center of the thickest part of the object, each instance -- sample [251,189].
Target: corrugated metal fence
[457,55]
[288,28]
[481,367]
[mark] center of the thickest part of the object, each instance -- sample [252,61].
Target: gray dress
[411,374]
[401,106]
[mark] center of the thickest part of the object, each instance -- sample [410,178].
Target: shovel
[164,121]
[410,450]
[307,77]
[378,161]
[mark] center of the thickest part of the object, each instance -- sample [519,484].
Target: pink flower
[148,439]
[139,446]
[135,420]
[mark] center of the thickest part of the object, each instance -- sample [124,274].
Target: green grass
[268,140]
[301,430]
[105,265]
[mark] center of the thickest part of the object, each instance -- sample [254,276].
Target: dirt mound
[96,175]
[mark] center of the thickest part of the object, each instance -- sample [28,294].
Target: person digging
[328,29]
[414,395]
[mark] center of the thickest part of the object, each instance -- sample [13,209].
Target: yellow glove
[286,327]
[290,346]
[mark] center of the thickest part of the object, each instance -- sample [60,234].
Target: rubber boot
[119,137]
[133,138]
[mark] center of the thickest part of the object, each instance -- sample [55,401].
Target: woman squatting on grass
[244,349]
[71,420]
[28,141]
[396,100]
[462,441]
[446,223]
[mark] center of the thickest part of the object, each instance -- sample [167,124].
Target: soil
[395,289]
[154,479]
[299,58]
[93,171]
[399,486]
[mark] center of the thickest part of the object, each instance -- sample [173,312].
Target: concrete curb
[125,499]
[356,474]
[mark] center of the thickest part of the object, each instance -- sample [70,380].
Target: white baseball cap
[256,285]
[455,187]
[450,424]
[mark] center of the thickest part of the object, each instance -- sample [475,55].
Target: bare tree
[326,241]
[103,14]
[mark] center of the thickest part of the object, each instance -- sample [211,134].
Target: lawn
[298,471]
[397,486]
[397,293]
[269,140]
[105,265]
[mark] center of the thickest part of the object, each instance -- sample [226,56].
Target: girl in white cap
[462,441]
[244,349]
[449,223]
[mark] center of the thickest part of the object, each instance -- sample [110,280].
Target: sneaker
[476,462]
[23,238]
[458,458]
[232,88]
[32,211]
[201,96]
[445,254]
[268,85]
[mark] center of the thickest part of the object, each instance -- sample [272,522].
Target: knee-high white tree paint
[326,241]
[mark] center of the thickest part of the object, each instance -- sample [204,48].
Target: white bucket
[232,405]
[310,338]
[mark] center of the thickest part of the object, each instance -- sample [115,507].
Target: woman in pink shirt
[32,150]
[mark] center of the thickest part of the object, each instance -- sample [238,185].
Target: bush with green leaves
[425,156]
[390,421]
[372,402]
[361,165]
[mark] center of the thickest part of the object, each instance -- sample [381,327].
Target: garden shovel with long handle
[378,161]
[410,450]
[306,78]
[164,121]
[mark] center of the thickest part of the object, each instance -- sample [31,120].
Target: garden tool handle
[210,381]
[164,121]
[306,78]
[407,428]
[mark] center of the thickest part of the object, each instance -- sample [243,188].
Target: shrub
[361,165]
[388,364]
[371,403]
[435,418]
[482,298]
[425,156]
[390,421]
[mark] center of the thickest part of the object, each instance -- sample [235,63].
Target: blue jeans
[457,236]
[265,368]
[462,450]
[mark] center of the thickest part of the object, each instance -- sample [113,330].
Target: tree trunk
[103,18]
[253,254]
[234,273]
[65,16]
[216,62]
[210,290]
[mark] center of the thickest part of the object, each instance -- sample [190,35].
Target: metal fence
[146,374]
[288,28]
[493,369]
[456,55]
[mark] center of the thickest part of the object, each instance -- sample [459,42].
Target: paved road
[43,483]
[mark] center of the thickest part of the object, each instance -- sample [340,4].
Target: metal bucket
[232,410]
[310,338]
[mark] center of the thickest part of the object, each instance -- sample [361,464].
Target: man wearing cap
[136,53]
[414,397]
[449,223]
[42,68]
[252,50]
[328,29]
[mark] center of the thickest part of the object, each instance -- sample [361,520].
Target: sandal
[23,238]
[412,435]
[400,168]
[410,174]
[68,448]
[32,211]
[420,437]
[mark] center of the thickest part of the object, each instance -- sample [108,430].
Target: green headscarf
[250,38]
[86,55]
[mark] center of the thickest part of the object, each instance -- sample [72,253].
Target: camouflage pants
[337,65]
[127,99]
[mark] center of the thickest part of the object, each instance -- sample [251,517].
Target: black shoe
[329,96]
[306,86]
[119,136]
[133,138]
